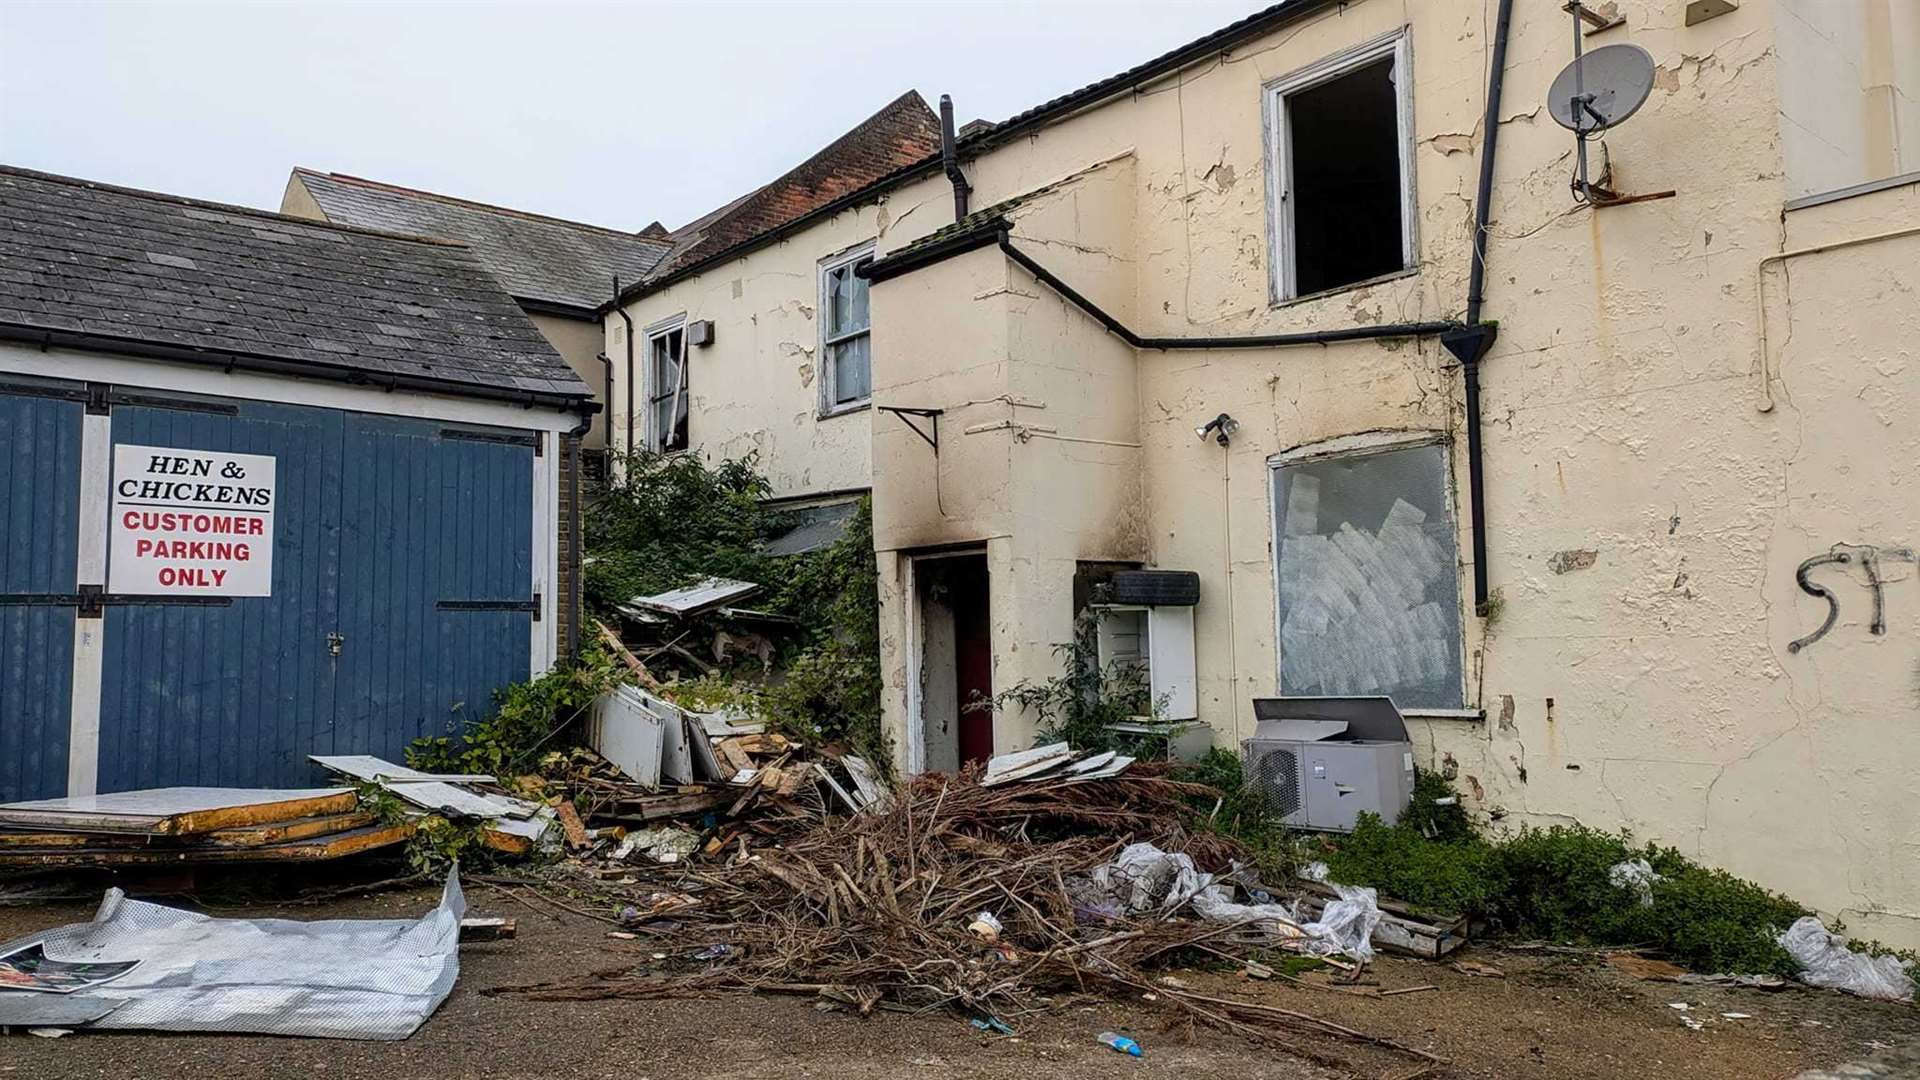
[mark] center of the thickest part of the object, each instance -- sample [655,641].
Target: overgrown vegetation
[1276,849]
[436,843]
[525,718]
[670,520]
[1079,705]
[1558,884]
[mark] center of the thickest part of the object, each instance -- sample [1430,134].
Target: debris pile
[187,826]
[510,825]
[961,893]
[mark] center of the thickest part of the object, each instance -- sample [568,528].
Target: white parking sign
[191,523]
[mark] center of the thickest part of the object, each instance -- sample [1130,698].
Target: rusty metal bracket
[932,438]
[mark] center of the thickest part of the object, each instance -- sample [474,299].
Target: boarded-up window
[1369,579]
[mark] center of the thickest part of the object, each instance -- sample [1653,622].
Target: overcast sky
[616,114]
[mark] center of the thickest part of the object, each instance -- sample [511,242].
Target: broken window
[1342,176]
[846,332]
[1368,576]
[667,388]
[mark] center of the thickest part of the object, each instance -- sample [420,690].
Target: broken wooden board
[316,849]
[178,811]
[570,822]
[1397,930]
[1007,768]
[280,832]
[478,928]
[866,780]
[654,807]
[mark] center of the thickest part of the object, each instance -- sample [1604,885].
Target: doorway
[953,661]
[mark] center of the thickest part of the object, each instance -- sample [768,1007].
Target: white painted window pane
[839,308]
[1369,578]
[852,370]
[857,316]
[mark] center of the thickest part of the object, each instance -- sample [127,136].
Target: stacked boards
[188,825]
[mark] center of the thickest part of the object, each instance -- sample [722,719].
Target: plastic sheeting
[337,978]
[1825,960]
[1143,878]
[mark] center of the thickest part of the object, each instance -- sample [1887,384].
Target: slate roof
[902,133]
[115,269]
[541,259]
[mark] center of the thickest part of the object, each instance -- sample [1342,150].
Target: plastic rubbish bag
[1143,879]
[1826,961]
[1637,876]
[1345,925]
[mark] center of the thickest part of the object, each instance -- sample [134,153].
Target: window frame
[651,437]
[1367,444]
[1282,274]
[846,259]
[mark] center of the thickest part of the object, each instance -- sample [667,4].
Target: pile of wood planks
[188,825]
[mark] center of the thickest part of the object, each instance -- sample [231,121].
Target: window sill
[1365,283]
[841,410]
[1477,716]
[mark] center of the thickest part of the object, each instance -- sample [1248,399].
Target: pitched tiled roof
[537,258]
[904,132]
[116,269]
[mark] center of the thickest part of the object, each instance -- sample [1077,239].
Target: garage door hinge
[97,404]
[539,444]
[537,607]
[93,597]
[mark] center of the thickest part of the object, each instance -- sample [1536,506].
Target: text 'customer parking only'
[191,523]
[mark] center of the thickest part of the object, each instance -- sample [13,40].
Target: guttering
[557,309]
[240,361]
[1251,341]
[959,242]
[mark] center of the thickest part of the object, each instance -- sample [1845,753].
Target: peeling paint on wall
[1566,562]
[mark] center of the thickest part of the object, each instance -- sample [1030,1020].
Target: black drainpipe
[950,159]
[1471,342]
[621,310]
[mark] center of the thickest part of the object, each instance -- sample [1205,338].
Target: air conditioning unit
[1320,762]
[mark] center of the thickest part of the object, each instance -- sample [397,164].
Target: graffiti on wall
[1866,556]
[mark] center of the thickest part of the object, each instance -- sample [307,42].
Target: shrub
[525,717]
[1557,883]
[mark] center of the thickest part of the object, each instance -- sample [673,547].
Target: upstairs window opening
[1343,188]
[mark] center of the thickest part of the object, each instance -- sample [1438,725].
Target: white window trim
[649,437]
[1364,444]
[828,407]
[1282,276]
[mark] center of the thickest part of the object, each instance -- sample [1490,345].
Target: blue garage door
[39,542]
[401,599]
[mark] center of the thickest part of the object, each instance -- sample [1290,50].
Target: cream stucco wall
[756,389]
[1648,685]
[578,343]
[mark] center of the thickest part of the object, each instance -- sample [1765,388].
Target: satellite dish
[1602,88]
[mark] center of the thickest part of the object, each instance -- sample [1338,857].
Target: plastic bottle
[1121,1043]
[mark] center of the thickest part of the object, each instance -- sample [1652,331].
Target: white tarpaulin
[336,978]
